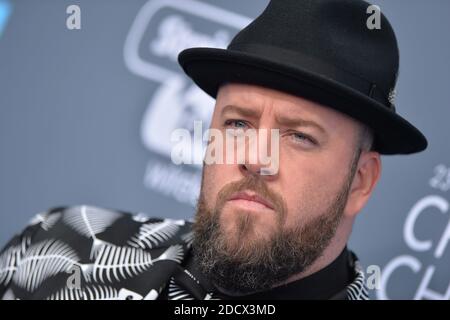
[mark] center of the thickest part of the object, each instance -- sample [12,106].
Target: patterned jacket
[87,253]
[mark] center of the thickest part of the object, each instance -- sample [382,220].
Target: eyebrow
[282,120]
[298,122]
[240,110]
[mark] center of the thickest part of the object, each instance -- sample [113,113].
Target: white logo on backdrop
[177,102]
[434,204]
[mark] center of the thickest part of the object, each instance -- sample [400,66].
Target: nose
[261,156]
[254,169]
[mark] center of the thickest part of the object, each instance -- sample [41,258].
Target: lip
[251,196]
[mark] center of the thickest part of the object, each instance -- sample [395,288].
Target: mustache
[257,185]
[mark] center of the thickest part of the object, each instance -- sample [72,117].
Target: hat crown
[320,50]
[328,32]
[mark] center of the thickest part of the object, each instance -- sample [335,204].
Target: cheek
[308,188]
[215,177]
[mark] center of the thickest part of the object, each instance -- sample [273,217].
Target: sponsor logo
[424,236]
[161,29]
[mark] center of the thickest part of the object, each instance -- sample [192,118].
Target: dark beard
[241,266]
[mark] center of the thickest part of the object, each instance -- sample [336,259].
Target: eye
[302,138]
[236,124]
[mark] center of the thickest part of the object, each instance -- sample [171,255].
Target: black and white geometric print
[357,290]
[90,253]
[115,254]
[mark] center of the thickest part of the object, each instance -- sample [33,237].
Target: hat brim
[211,67]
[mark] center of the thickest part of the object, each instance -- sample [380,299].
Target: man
[313,71]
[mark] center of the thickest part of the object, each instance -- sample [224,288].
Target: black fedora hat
[321,50]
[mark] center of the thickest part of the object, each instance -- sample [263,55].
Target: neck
[329,255]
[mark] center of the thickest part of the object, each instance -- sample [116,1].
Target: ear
[367,174]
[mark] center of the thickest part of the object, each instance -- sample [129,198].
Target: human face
[253,231]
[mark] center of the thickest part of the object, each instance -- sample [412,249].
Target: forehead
[281,103]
